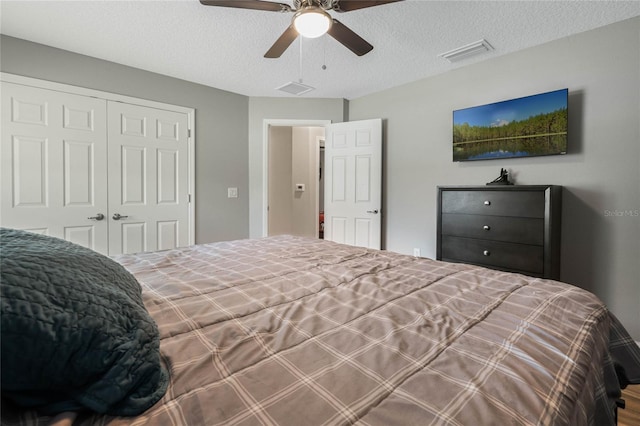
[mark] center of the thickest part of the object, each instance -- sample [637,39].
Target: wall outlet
[232,192]
[416,252]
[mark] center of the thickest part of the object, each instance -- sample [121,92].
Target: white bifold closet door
[148,179]
[107,175]
[54,168]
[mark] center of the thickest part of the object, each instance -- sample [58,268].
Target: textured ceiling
[224,47]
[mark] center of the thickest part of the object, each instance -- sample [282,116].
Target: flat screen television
[523,127]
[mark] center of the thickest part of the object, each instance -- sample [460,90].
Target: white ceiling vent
[295,88]
[464,52]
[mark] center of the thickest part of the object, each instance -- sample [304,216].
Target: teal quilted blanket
[75,334]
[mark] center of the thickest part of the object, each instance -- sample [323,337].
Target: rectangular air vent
[295,88]
[464,52]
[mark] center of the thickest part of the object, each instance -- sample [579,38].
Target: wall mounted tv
[523,127]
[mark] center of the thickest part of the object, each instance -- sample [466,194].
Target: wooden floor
[630,416]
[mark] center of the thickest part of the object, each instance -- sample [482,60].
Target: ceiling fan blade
[348,5]
[282,43]
[351,40]
[249,4]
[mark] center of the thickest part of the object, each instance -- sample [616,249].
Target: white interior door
[54,164]
[148,179]
[353,183]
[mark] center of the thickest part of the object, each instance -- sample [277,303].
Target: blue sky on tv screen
[502,113]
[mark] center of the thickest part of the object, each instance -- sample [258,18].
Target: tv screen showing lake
[523,127]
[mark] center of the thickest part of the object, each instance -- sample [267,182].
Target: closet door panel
[30,178]
[148,168]
[54,164]
[133,161]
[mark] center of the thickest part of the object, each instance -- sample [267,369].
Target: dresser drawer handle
[486,253]
[486,227]
[487,203]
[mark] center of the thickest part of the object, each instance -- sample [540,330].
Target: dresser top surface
[496,187]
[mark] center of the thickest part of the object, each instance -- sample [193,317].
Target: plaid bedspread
[292,331]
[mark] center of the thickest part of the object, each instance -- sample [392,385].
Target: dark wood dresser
[510,228]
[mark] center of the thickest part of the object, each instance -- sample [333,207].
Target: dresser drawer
[495,203]
[509,229]
[520,257]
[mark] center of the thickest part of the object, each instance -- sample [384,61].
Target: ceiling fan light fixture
[312,22]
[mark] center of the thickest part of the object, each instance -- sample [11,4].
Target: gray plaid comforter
[292,331]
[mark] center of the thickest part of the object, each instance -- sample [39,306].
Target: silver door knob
[117,216]
[486,253]
[486,227]
[99,216]
[373,211]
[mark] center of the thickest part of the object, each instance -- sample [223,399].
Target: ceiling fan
[311,19]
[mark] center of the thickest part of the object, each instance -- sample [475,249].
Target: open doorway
[295,189]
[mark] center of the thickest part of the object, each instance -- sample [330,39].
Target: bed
[293,331]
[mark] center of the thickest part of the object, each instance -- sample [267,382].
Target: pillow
[75,334]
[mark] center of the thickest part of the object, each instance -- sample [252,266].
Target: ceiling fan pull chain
[324,53]
[300,71]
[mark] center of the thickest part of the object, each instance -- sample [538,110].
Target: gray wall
[280,180]
[600,174]
[221,124]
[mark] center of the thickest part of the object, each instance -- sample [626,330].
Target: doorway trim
[266,123]
[320,140]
